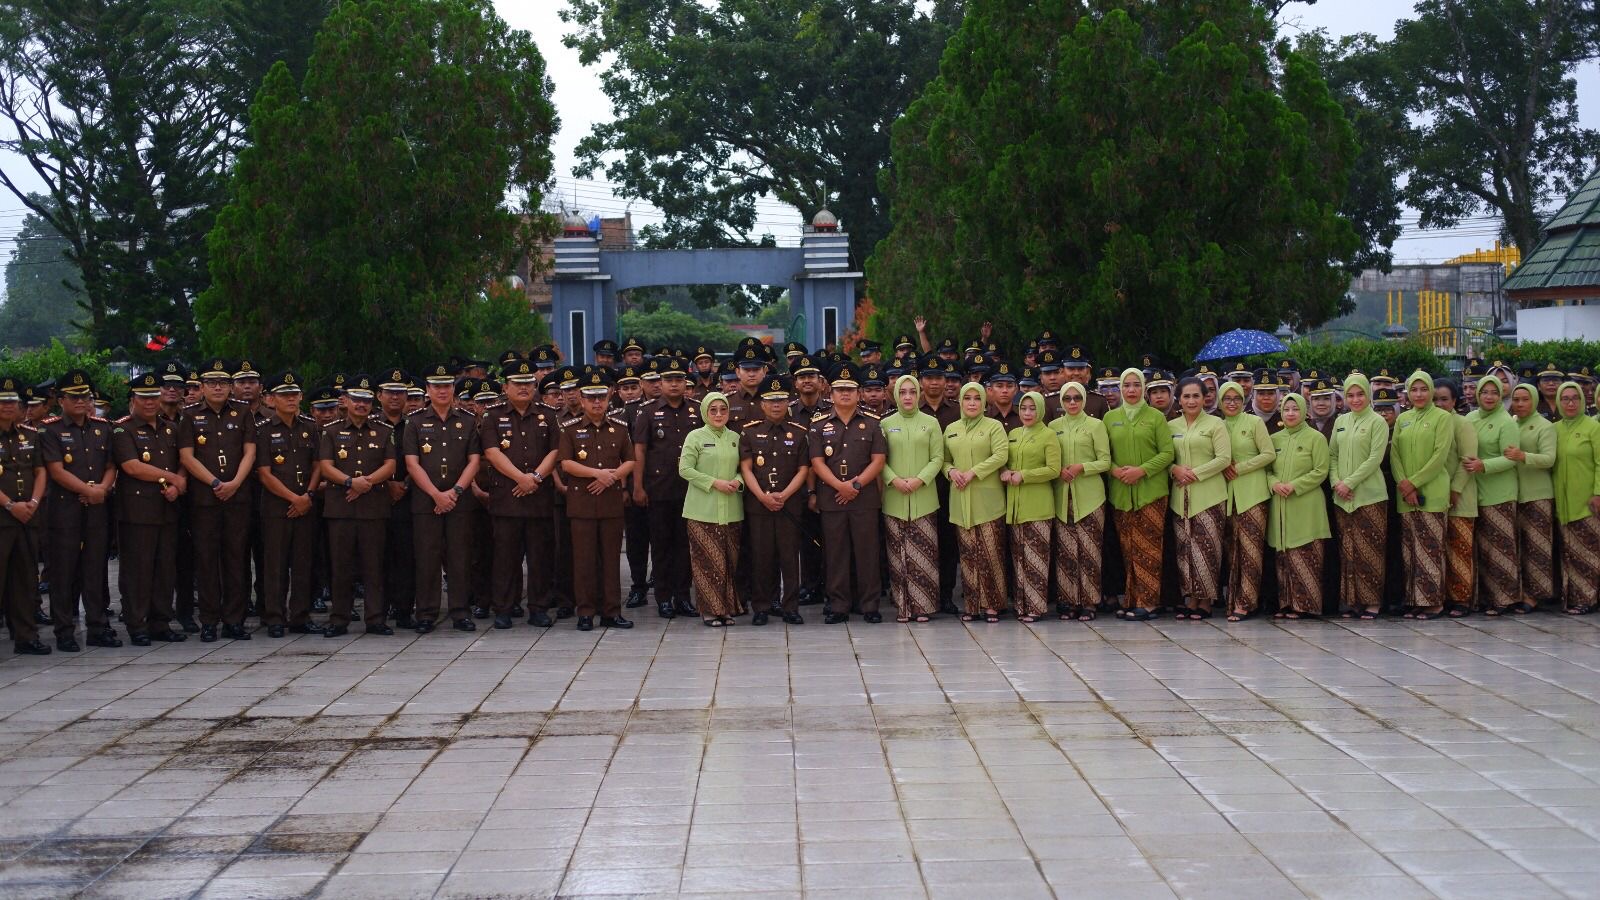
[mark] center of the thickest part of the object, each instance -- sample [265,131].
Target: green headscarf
[1423,377]
[705,407]
[1533,400]
[1130,410]
[1563,389]
[1500,407]
[1232,387]
[1038,407]
[1083,396]
[1356,379]
[915,407]
[962,394]
[1300,404]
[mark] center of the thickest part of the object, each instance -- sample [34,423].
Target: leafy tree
[1334,358]
[669,327]
[1569,355]
[500,319]
[1494,104]
[1135,174]
[259,33]
[43,289]
[55,359]
[717,104]
[371,209]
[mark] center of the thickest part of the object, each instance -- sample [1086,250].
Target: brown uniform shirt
[660,429]
[19,457]
[603,446]
[847,448]
[442,446]
[156,442]
[356,450]
[83,450]
[1011,420]
[525,439]
[218,439]
[291,451]
[776,451]
[742,407]
[947,412]
[800,412]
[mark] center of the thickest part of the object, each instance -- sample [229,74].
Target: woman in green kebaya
[1202,451]
[1498,581]
[911,502]
[1424,436]
[1577,488]
[1141,451]
[1080,494]
[1535,456]
[1297,524]
[1360,500]
[1033,463]
[1248,491]
[713,509]
[975,449]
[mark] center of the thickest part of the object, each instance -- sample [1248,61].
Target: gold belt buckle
[772,479]
[844,468]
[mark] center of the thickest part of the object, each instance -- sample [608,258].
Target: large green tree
[719,103]
[372,207]
[1493,101]
[1136,174]
[43,289]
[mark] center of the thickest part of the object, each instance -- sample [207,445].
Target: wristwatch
[458,489]
[348,481]
[855,484]
[537,478]
[215,482]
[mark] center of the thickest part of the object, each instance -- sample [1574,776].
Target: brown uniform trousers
[660,428]
[356,531]
[850,536]
[443,448]
[147,534]
[521,526]
[596,520]
[400,572]
[776,452]
[78,537]
[20,463]
[288,546]
[221,527]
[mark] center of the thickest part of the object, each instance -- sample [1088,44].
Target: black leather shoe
[810,597]
[502,621]
[635,599]
[208,634]
[586,623]
[404,622]
[540,619]
[835,618]
[466,625]
[68,645]
[235,633]
[564,612]
[307,628]
[664,610]
[872,618]
[424,626]
[759,618]
[188,624]
[479,612]
[276,631]
[333,631]
[319,603]
[793,618]
[139,639]
[383,630]
[168,636]
[685,607]
[32,648]
[618,622]
[107,638]
[43,618]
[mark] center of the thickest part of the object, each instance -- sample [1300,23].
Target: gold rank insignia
[145,456]
[201,440]
[427,448]
[827,451]
[583,454]
[278,459]
[343,453]
[67,459]
[761,460]
[505,443]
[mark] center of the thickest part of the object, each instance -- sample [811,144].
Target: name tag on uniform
[708,446]
[894,431]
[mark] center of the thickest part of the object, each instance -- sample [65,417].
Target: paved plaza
[1327,759]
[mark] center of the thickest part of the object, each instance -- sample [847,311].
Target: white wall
[1559,323]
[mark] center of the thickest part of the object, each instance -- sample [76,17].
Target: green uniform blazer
[1146,442]
[978,444]
[1207,448]
[1497,483]
[1423,439]
[1083,440]
[1036,453]
[1537,438]
[711,454]
[1302,461]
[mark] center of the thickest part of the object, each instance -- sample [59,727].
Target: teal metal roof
[1569,254]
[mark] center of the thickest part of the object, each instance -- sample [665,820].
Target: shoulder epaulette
[124,420]
[870,414]
[97,418]
[567,423]
[615,420]
[819,416]
[500,405]
[302,417]
[51,420]
[188,406]
[416,412]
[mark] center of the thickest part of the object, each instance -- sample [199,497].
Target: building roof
[1566,262]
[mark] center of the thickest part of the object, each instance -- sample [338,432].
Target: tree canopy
[43,289]
[1136,174]
[370,211]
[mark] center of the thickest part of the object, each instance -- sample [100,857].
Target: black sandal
[1457,611]
[903,620]
[1138,615]
[968,617]
[1580,610]
[1426,616]
[993,618]
[1199,615]
[1368,615]
[1086,614]
[1491,612]
[712,622]
[1521,608]
[923,620]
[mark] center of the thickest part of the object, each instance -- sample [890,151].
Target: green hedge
[1334,359]
[1569,355]
[35,366]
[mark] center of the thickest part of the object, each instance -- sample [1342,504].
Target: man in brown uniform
[658,432]
[400,574]
[442,455]
[1075,362]
[287,444]
[636,531]
[810,400]
[519,444]
[22,486]
[76,448]
[744,403]
[356,456]
[145,446]
[848,451]
[217,446]
[776,467]
[936,376]
[596,456]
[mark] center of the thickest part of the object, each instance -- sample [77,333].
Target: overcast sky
[581,103]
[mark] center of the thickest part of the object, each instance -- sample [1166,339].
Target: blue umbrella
[1239,342]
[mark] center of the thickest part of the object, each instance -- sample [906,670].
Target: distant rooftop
[1565,265]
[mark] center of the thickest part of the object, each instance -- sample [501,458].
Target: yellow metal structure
[1510,257]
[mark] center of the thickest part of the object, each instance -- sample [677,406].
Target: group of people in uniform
[758,484]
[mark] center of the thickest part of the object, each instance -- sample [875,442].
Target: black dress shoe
[466,625]
[383,630]
[564,612]
[319,603]
[502,621]
[759,618]
[424,626]
[664,610]
[333,631]
[872,618]
[810,597]
[168,636]
[307,628]
[835,618]
[208,633]
[685,607]
[540,619]
[139,639]
[793,618]
[275,631]
[68,645]
[235,633]
[479,612]
[586,623]
[188,624]
[618,622]
[32,648]
[43,618]
[635,600]
[107,638]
